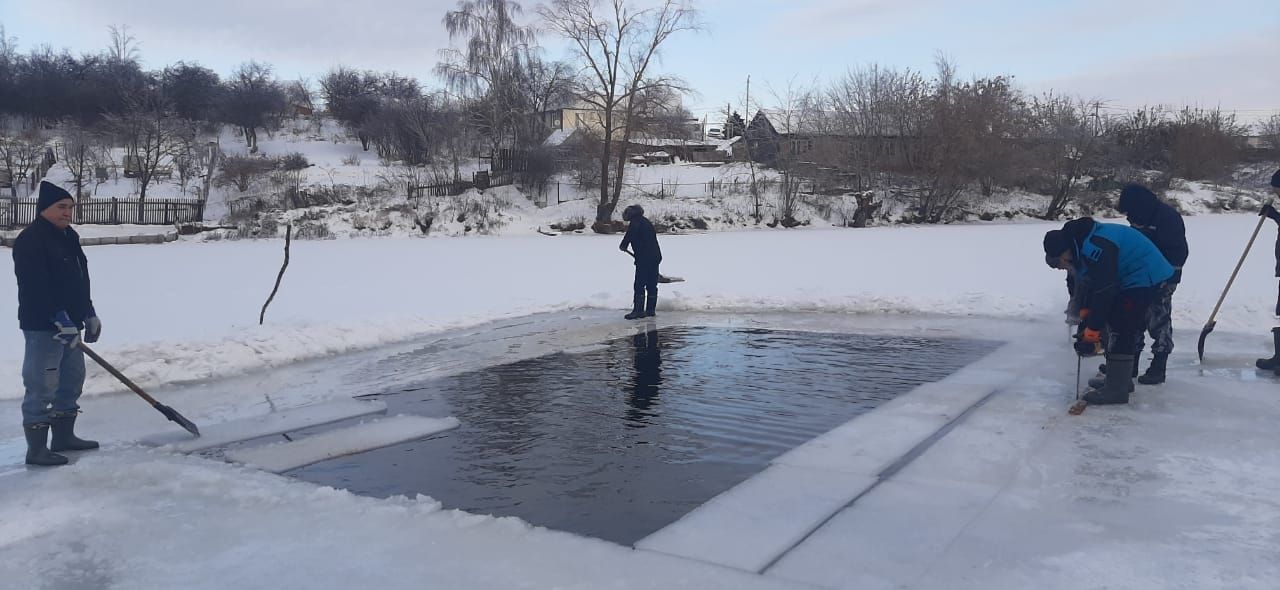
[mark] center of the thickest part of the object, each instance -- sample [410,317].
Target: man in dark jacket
[53,307]
[1273,363]
[1120,268]
[1163,226]
[644,240]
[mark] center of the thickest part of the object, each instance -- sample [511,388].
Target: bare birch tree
[616,44]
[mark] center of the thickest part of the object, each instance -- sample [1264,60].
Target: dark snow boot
[1118,383]
[64,436]
[637,307]
[37,452]
[1102,369]
[1273,363]
[1155,373]
[1100,381]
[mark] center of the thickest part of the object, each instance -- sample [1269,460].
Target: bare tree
[20,154]
[800,115]
[124,46]
[616,43]
[79,154]
[491,68]
[352,97]
[254,100]
[1065,141]
[1269,129]
[151,137]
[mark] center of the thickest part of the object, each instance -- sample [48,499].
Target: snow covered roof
[558,137]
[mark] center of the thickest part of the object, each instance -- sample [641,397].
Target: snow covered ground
[1176,490]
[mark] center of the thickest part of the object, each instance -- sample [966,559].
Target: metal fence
[21,212]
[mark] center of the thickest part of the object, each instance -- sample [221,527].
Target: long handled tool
[168,412]
[1079,405]
[661,277]
[1209,325]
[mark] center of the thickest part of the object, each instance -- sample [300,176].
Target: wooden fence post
[115,211]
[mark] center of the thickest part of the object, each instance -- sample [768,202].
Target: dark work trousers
[1127,319]
[646,283]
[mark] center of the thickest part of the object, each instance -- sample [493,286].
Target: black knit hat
[1056,242]
[49,194]
[632,212]
[1275,179]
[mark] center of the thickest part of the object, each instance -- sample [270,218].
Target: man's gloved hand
[1089,342]
[1269,211]
[92,329]
[67,333]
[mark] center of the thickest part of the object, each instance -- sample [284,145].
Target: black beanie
[1056,242]
[49,194]
[1275,179]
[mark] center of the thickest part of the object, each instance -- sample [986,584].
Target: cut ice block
[281,457]
[217,435]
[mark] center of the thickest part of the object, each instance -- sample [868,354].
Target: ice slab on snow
[753,523]
[217,435]
[278,458]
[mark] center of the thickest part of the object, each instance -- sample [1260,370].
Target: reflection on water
[618,442]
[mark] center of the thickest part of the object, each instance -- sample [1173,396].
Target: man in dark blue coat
[643,239]
[1162,225]
[54,305]
[1120,268]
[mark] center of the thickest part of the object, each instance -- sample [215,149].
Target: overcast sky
[1129,52]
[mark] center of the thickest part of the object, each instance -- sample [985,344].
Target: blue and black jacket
[1109,259]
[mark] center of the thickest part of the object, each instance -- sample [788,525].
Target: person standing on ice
[1121,269]
[643,239]
[1163,226]
[53,307]
[1273,363]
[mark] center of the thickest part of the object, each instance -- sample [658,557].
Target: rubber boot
[64,436]
[637,307]
[37,452]
[1272,363]
[651,306]
[1100,381]
[1118,384]
[1155,373]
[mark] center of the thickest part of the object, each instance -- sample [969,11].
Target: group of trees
[931,139]
[96,102]
[936,141]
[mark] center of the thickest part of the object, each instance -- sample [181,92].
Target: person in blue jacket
[1120,268]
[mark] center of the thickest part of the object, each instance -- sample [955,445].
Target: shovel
[1209,325]
[168,412]
[661,277]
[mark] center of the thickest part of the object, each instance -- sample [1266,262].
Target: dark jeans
[646,283]
[1127,319]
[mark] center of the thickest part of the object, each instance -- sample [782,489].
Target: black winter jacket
[1161,224]
[643,239]
[53,276]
